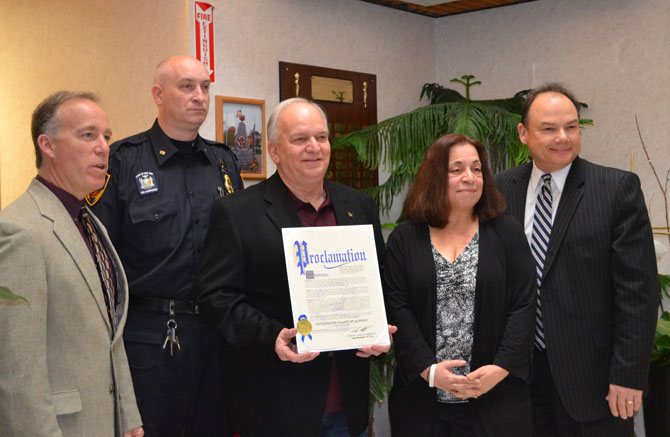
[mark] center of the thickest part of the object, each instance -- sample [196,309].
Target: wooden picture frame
[235,116]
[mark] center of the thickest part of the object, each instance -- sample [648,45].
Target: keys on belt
[170,306]
[171,336]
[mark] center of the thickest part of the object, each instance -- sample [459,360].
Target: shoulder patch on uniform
[92,198]
[146,183]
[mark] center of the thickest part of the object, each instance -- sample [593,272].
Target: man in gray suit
[596,274]
[63,367]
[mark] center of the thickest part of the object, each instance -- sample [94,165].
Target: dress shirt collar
[557,178]
[324,216]
[71,203]
[300,204]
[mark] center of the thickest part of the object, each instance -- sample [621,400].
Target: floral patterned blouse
[455,314]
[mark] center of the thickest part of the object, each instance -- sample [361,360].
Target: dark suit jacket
[599,286]
[503,327]
[244,295]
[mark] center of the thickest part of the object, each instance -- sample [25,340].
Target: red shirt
[324,216]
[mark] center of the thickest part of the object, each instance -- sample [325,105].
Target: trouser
[185,394]
[335,425]
[454,420]
[550,418]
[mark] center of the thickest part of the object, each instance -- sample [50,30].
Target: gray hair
[273,131]
[45,117]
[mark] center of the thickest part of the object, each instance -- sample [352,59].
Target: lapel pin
[350,214]
[161,152]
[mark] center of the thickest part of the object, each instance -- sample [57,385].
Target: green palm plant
[382,369]
[400,143]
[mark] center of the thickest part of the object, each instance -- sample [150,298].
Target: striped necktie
[103,264]
[539,245]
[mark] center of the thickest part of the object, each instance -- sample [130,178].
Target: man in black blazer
[597,278]
[243,288]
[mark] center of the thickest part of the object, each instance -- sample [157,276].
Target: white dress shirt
[534,185]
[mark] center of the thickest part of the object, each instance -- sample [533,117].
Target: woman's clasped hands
[472,385]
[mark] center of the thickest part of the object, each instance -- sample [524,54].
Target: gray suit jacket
[61,372]
[600,284]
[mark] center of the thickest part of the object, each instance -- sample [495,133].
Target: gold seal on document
[304,326]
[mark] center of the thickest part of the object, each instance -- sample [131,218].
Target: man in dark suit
[244,294]
[597,281]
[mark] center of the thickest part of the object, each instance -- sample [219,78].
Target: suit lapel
[283,215]
[573,191]
[280,210]
[346,213]
[517,195]
[67,233]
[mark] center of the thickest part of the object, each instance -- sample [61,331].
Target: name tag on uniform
[146,183]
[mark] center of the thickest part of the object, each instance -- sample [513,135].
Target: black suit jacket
[599,286]
[503,327]
[243,293]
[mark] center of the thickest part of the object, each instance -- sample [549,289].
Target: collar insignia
[93,197]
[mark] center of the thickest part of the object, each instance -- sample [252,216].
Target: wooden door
[350,102]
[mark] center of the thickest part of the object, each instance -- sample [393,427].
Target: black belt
[163,305]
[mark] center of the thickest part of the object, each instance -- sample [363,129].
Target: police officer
[156,204]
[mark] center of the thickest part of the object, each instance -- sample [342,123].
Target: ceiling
[441,8]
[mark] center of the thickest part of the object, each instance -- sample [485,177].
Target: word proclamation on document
[336,291]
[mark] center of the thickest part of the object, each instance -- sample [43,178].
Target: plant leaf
[9,298]
[663,325]
[662,342]
[400,143]
[665,286]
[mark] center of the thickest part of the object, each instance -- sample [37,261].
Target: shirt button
[156,216]
[111,388]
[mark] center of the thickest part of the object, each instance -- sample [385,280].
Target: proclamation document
[336,291]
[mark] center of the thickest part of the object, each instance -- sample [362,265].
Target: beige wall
[251,37]
[113,50]
[94,45]
[614,54]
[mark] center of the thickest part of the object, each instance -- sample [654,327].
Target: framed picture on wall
[240,123]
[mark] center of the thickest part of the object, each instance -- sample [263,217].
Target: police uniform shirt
[156,206]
